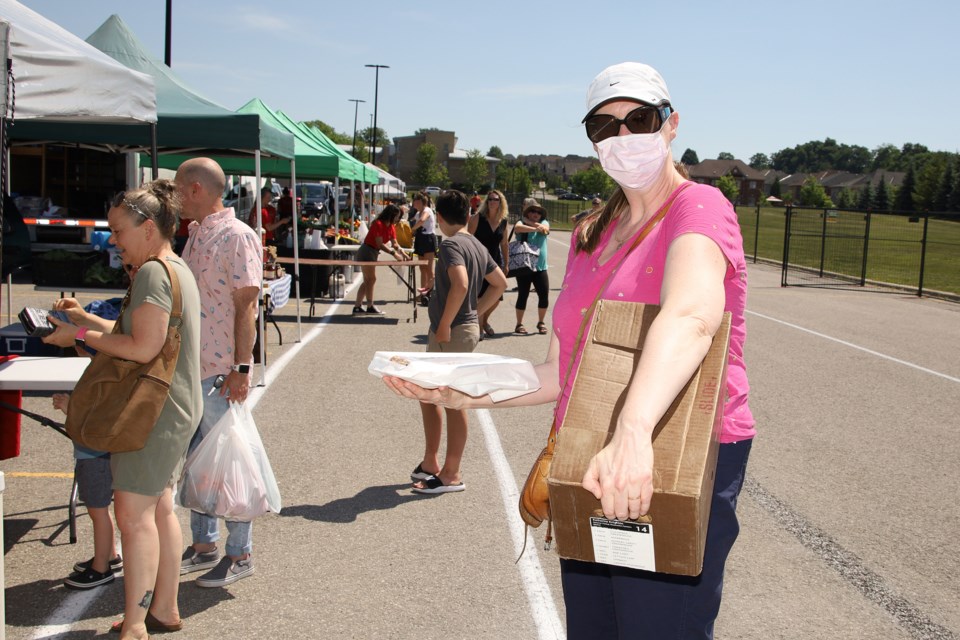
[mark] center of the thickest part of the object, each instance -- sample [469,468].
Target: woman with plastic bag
[533,228]
[143,223]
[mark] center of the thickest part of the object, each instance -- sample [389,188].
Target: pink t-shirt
[224,255]
[697,209]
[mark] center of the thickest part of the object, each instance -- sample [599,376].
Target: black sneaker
[88,579]
[193,560]
[357,310]
[373,311]
[116,565]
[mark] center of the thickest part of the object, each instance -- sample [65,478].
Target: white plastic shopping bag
[228,475]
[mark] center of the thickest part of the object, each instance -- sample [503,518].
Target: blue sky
[745,77]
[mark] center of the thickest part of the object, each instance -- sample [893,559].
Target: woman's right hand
[441,396]
[72,308]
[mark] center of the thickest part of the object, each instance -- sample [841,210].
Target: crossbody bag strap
[641,234]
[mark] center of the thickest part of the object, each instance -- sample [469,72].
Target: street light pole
[376,92]
[356,106]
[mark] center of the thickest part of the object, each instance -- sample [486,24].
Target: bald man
[220,249]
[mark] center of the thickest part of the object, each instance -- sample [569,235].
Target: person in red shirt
[475,203]
[382,236]
[268,216]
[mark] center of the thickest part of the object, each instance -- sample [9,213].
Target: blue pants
[604,601]
[204,528]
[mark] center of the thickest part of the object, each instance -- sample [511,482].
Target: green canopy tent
[186,120]
[189,123]
[317,158]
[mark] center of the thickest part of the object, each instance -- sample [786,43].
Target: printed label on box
[624,544]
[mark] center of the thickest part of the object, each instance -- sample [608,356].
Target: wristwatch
[80,338]
[241,368]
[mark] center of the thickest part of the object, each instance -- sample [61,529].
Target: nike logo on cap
[613,83]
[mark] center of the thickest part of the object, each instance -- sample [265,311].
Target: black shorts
[94,481]
[424,243]
[366,253]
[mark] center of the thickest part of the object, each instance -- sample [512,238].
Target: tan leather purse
[535,496]
[117,402]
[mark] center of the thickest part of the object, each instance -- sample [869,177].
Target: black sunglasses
[643,119]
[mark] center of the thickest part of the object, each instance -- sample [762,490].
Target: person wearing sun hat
[533,228]
[660,239]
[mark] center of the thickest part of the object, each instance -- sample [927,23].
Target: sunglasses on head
[644,119]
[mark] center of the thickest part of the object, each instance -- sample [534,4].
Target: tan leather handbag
[535,496]
[117,402]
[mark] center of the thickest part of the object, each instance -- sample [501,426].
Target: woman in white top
[423,225]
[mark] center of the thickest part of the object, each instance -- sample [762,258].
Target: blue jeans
[204,528]
[604,601]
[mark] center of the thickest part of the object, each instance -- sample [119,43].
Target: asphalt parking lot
[848,518]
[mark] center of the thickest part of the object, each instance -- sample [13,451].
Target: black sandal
[541,328]
[520,329]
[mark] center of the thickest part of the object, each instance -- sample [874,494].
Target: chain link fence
[891,252]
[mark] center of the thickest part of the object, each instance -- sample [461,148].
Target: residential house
[749,180]
[834,182]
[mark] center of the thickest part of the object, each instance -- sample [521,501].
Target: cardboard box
[671,537]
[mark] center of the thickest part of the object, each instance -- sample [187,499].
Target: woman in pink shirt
[690,262]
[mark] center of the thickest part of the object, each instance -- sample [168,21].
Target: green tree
[953,202]
[729,188]
[943,189]
[592,180]
[846,199]
[725,155]
[928,182]
[429,171]
[881,197]
[513,177]
[775,190]
[760,161]
[812,194]
[475,169]
[330,132]
[689,157]
[495,152]
[886,156]
[904,199]
[865,200]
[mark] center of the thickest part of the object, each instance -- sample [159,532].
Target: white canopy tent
[60,78]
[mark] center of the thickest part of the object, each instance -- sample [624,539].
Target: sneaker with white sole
[193,560]
[226,572]
[116,565]
[88,579]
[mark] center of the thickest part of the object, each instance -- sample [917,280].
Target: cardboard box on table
[671,537]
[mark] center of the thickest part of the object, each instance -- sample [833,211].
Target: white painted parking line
[545,616]
[856,346]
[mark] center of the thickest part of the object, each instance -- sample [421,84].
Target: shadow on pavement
[345,510]
[15,529]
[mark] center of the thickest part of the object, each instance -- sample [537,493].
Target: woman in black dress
[489,226]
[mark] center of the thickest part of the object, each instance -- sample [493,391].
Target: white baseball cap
[627,81]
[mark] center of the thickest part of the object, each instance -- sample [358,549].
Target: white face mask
[634,161]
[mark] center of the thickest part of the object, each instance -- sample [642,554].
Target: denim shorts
[94,481]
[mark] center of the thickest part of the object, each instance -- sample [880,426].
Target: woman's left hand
[621,475]
[64,335]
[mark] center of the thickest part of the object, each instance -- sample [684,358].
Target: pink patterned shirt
[698,209]
[224,255]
